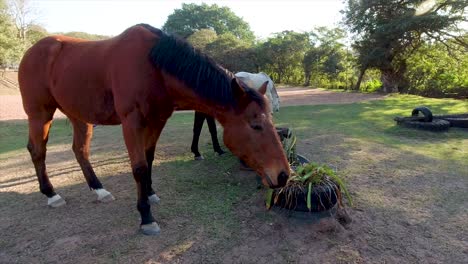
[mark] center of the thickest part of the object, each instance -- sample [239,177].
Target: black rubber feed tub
[323,198]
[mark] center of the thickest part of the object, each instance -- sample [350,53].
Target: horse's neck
[185,98]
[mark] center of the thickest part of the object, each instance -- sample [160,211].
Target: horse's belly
[91,108]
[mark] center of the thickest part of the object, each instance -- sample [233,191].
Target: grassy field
[410,189]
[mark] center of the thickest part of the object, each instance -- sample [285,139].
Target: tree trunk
[361,75]
[307,79]
[391,80]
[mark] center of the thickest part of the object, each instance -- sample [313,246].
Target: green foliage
[282,56]
[192,17]
[199,39]
[8,43]
[84,35]
[386,30]
[289,147]
[35,33]
[232,53]
[327,63]
[371,85]
[435,72]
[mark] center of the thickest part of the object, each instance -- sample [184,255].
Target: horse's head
[249,133]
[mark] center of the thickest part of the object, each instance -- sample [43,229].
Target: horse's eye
[257,127]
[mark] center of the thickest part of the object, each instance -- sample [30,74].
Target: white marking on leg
[55,201]
[154,199]
[104,195]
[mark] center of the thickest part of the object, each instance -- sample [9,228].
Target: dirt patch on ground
[306,96]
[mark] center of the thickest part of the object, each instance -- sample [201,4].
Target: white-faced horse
[254,80]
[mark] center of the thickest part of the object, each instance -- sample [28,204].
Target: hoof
[154,199]
[150,229]
[199,157]
[104,196]
[55,201]
[221,152]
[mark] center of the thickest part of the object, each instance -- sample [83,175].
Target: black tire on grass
[437,125]
[457,120]
[425,111]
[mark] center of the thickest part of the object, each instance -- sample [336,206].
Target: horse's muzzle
[282,179]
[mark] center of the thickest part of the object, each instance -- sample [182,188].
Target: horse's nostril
[282,179]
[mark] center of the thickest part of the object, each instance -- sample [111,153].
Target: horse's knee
[80,152]
[36,155]
[140,173]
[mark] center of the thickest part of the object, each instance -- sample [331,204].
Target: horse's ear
[263,88]
[236,88]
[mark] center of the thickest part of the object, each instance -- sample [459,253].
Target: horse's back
[83,77]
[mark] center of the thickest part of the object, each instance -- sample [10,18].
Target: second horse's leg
[214,135]
[197,128]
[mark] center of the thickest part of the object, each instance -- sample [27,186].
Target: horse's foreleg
[152,134]
[39,126]
[214,135]
[153,198]
[82,134]
[137,136]
[197,128]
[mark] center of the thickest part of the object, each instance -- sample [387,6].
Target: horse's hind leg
[82,134]
[39,125]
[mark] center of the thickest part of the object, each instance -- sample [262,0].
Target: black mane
[178,58]
[198,71]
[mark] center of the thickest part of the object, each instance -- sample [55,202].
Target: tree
[7,40]
[36,33]
[283,54]
[232,53]
[324,54]
[23,16]
[433,71]
[192,17]
[84,35]
[199,39]
[387,31]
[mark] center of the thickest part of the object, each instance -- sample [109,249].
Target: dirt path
[11,106]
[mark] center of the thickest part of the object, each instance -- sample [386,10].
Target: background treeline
[410,46]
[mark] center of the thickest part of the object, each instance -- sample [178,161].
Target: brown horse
[137,79]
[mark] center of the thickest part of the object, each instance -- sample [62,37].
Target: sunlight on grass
[176,250]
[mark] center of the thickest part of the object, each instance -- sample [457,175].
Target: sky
[111,17]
